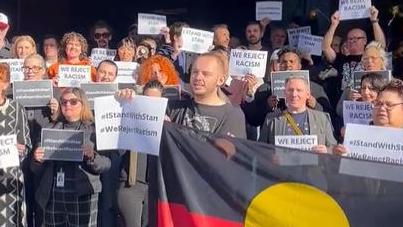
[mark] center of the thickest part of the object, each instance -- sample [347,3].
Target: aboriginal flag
[209,181]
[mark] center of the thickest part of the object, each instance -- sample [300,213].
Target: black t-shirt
[223,120]
[346,66]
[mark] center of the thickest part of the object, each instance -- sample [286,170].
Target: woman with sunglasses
[75,202]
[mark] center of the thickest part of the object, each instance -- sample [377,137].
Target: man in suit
[297,119]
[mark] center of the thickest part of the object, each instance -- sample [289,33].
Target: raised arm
[328,51]
[378,33]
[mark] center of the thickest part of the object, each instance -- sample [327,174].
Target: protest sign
[16,72]
[33,93]
[130,125]
[127,72]
[73,75]
[386,75]
[8,152]
[100,54]
[374,143]
[62,145]
[94,90]
[172,92]
[278,80]
[293,35]
[150,24]
[310,44]
[354,9]
[244,62]
[196,41]
[304,142]
[270,9]
[357,112]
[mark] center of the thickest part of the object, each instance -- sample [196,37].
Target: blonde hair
[71,36]
[86,114]
[27,38]
[381,50]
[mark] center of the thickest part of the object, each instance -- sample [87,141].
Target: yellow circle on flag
[294,204]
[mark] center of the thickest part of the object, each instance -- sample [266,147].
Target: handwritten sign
[357,112]
[270,9]
[305,142]
[293,35]
[127,72]
[8,152]
[354,9]
[310,44]
[74,75]
[278,80]
[196,41]
[374,143]
[386,75]
[94,90]
[33,93]
[100,54]
[62,145]
[16,73]
[150,24]
[130,125]
[242,62]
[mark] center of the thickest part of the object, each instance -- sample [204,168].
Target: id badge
[60,179]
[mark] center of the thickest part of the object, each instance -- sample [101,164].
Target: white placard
[8,152]
[310,44]
[196,41]
[16,72]
[150,24]
[135,124]
[354,9]
[74,75]
[242,62]
[357,112]
[272,10]
[293,35]
[374,143]
[100,54]
[127,72]
[305,142]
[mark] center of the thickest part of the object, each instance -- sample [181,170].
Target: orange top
[53,69]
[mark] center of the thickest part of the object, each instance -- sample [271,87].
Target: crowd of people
[109,188]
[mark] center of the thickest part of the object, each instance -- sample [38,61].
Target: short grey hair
[38,57]
[306,82]
[380,48]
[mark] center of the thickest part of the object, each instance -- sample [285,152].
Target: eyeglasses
[72,102]
[355,39]
[366,59]
[34,69]
[388,106]
[103,35]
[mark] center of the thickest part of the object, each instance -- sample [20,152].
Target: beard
[253,40]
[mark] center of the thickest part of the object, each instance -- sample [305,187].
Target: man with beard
[101,34]
[254,34]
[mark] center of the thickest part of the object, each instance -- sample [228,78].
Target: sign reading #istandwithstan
[94,90]
[16,73]
[130,125]
[242,62]
[305,142]
[62,145]
[386,75]
[8,152]
[357,112]
[150,24]
[127,72]
[374,143]
[270,9]
[33,93]
[278,80]
[354,9]
[293,35]
[197,41]
[73,75]
[310,44]
[100,54]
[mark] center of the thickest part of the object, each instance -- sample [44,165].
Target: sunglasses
[72,102]
[103,35]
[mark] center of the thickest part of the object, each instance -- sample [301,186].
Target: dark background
[40,17]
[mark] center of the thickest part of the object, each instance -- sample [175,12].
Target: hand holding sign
[373,13]
[335,18]
[354,9]
[39,154]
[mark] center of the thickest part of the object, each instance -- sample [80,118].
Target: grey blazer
[319,124]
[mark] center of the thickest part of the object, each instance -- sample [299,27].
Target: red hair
[144,74]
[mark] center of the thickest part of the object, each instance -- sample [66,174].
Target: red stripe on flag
[176,215]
